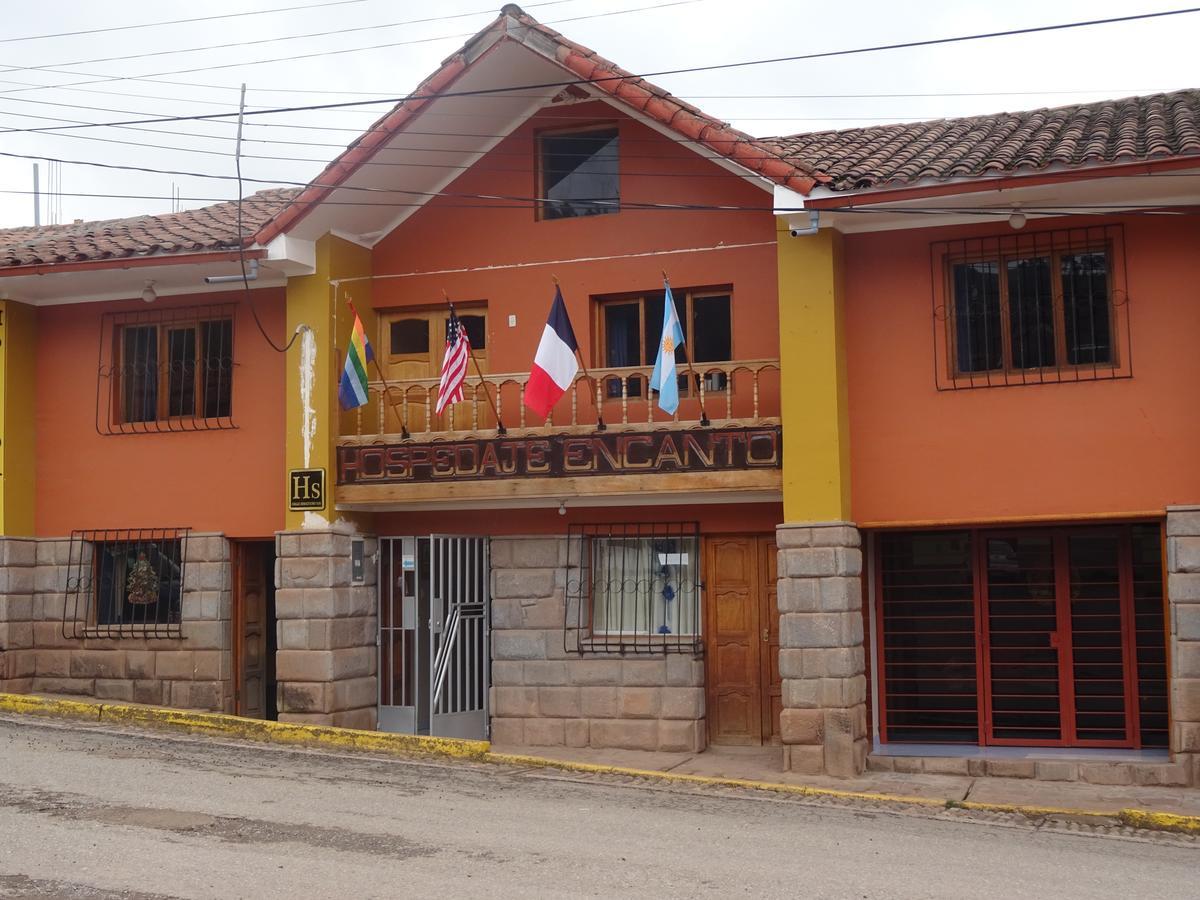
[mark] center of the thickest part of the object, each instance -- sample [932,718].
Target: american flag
[454,365]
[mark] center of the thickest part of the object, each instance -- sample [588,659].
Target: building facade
[926,501]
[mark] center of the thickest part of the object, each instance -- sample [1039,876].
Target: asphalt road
[86,813]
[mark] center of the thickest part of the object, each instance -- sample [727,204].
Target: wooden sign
[306,489]
[562,455]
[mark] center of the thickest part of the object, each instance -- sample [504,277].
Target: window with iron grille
[166,370]
[1030,308]
[633,588]
[125,582]
[1022,636]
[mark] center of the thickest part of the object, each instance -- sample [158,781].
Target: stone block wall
[18,561]
[1183,597]
[543,695]
[822,659]
[193,671]
[326,662]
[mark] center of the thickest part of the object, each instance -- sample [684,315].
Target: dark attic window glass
[579,173]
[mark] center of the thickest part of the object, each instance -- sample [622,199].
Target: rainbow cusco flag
[352,392]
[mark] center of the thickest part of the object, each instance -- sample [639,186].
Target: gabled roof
[1134,129]
[580,64]
[192,231]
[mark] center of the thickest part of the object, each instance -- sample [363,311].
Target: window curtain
[644,586]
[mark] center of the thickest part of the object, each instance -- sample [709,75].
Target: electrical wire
[1105,92]
[897,118]
[237,15]
[1095,209]
[241,248]
[535,201]
[610,78]
[527,170]
[52,67]
[99,79]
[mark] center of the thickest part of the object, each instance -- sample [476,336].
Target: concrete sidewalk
[756,768]
[765,764]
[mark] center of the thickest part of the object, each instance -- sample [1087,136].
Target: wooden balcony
[737,393]
[606,441]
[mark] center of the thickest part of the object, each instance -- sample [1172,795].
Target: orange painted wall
[229,481]
[443,235]
[1039,450]
[713,519]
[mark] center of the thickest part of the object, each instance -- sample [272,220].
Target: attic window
[578,173]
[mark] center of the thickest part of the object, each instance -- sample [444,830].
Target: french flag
[554,364]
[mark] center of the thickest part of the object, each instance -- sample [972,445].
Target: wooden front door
[413,345]
[742,640]
[254,629]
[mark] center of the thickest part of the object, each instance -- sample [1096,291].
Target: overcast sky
[1005,73]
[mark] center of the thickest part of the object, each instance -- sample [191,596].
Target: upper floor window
[631,326]
[169,370]
[578,173]
[1032,307]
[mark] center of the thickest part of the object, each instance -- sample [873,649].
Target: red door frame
[1059,535]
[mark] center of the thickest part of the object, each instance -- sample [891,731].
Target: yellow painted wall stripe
[18,376]
[816,446]
[311,302]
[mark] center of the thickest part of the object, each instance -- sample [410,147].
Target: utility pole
[37,198]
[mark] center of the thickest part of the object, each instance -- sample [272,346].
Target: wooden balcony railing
[744,392]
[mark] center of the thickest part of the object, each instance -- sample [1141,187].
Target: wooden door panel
[250,602]
[734,677]
[772,681]
[415,344]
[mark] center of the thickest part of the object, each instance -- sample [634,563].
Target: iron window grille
[166,369]
[633,589]
[1031,308]
[125,582]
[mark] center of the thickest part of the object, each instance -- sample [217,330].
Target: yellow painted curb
[513,759]
[1140,818]
[221,725]
[351,739]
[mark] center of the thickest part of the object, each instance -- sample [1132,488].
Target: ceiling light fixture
[148,293]
[1017,220]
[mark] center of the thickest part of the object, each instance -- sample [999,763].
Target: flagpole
[500,429]
[704,420]
[386,387]
[600,426]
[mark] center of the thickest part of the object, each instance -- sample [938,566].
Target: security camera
[800,227]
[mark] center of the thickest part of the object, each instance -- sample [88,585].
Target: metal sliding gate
[434,631]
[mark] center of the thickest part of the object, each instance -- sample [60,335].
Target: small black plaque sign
[306,489]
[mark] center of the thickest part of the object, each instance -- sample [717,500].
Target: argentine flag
[663,378]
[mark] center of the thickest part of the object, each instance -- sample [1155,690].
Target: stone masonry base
[544,696]
[1092,772]
[823,723]
[325,666]
[192,671]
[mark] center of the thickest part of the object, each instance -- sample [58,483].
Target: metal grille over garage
[1033,637]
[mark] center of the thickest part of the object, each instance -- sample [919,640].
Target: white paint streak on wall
[308,374]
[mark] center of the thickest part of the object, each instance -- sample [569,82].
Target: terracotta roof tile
[195,230]
[1111,131]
